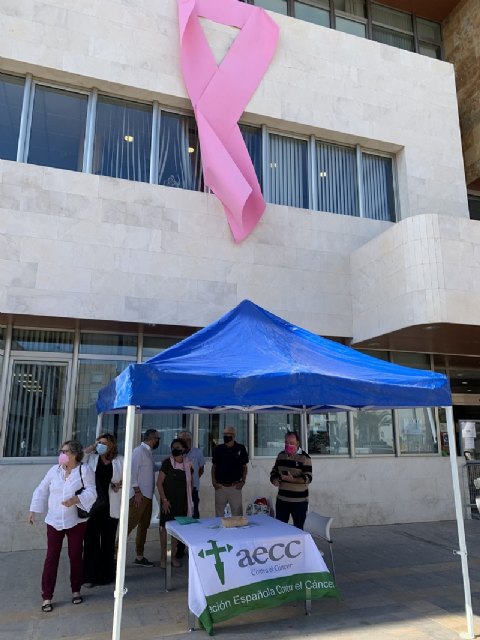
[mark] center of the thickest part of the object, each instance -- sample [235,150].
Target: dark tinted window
[11,96]
[58,128]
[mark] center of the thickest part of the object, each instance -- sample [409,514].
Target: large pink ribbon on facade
[219,95]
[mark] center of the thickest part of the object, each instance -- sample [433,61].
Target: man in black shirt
[229,472]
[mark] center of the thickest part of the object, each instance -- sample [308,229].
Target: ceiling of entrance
[430,338]
[436,10]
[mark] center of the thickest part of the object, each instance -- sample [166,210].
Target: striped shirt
[299,465]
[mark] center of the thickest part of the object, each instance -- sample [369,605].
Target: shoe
[77,599]
[47,607]
[143,562]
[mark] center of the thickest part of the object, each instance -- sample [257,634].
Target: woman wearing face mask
[99,545]
[174,485]
[66,485]
[292,473]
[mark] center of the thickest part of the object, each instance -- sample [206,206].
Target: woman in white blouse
[66,485]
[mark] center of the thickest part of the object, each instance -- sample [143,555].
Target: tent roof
[252,359]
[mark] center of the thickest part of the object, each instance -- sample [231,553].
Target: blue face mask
[101,448]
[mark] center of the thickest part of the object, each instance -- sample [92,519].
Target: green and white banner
[235,570]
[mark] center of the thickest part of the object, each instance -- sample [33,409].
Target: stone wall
[461,37]
[356,492]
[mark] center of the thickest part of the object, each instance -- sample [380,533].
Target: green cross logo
[215,551]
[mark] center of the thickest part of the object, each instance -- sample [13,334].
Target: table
[235,570]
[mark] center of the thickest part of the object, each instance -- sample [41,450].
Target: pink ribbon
[219,95]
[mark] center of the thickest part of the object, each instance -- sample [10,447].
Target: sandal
[77,599]
[47,607]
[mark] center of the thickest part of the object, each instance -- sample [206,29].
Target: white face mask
[101,448]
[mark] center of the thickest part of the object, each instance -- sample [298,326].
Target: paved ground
[397,581]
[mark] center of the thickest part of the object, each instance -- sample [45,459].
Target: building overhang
[444,338]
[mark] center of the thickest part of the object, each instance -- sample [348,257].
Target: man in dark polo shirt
[229,472]
[292,473]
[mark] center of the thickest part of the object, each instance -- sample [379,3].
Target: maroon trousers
[55,538]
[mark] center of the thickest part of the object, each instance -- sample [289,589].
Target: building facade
[113,249]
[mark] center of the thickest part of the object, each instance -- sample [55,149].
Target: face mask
[63,458]
[101,448]
[291,449]
[177,452]
[156,445]
[227,438]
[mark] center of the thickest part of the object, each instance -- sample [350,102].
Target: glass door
[36,408]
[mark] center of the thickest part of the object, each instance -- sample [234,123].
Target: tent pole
[123,524]
[99,425]
[460,524]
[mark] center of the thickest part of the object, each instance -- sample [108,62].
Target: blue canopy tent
[251,360]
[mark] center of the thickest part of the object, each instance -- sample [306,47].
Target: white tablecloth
[234,570]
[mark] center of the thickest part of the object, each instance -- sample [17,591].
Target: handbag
[81,513]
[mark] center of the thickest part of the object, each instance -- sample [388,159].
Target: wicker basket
[235,521]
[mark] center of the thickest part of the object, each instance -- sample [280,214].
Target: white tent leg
[98,430]
[460,524]
[123,524]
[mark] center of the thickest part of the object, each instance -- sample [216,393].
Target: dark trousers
[99,548]
[196,514]
[75,537]
[298,511]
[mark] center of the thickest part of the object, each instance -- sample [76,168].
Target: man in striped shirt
[292,473]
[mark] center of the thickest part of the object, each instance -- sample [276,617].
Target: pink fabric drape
[219,95]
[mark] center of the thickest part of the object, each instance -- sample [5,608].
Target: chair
[319,527]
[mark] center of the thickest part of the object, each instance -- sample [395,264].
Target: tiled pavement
[397,581]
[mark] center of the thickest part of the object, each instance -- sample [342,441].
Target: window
[418,431]
[58,128]
[318,12]
[337,179]
[42,340]
[179,162]
[123,134]
[378,193]
[156,344]
[392,27]
[328,434]
[270,430]
[344,20]
[474,207]
[364,18]
[36,408]
[211,426]
[108,344]
[373,432]
[252,137]
[11,97]
[429,38]
[417,427]
[169,425]
[92,376]
[279,6]
[288,171]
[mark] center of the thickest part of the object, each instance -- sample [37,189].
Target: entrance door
[36,408]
